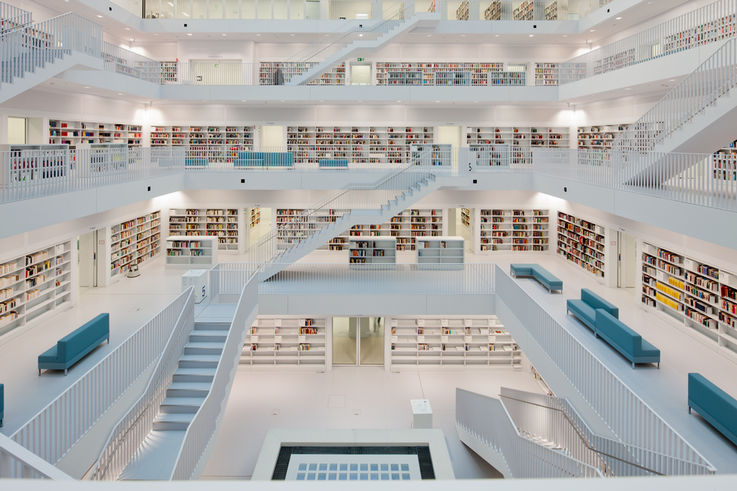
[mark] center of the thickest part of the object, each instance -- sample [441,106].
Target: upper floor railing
[709,24]
[12,17]
[17,462]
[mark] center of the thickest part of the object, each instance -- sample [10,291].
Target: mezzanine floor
[133,301]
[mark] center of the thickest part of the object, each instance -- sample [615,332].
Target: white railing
[56,428]
[17,462]
[607,394]
[202,431]
[31,47]
[126,62]
[12,17]
[131,431]
[486,419]
[709,24]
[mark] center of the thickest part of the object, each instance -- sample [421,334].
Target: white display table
[421,413]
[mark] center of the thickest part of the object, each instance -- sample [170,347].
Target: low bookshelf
[452,341]
[286,340]
[440,252]
[187,251]
[221,223]
[372,251]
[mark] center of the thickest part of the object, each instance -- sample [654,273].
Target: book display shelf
[615,62]
[702,296]
[437,154]
[361,145]
[466,217]
[443,252]
[290,341]
[34,283]
[254,217]
[599,137]
[583,243]
[546,73]
[725,163]
[551,10]
[709,32]
[462,10]
[221,223]
[460,341]
[439,73]
[74,133]
[372,251]
[525,11]
[215,143]
[133,242]
[281,72]
[521,140]
[493,11]
[517,230]
[186,251]
[293,225]
[169,71]
[23,165]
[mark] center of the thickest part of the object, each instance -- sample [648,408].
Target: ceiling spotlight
[86,86]
[223,34]
[360,35]
[189,34]
[258,35]
[617,18]
[99,16]
[127,28]
[532,35]
[592,30]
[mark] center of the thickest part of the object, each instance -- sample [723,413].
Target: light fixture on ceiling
[618,18]
[86,86]
[258,35]
[189,34]
[223,34]
[186,14]
[99,16]
[171,4]
[532,35]
[360,35]
[127,28]
[592,30]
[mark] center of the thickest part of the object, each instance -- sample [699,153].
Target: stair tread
[190,357]
[174,418]
[195,371]
[183,401]
[204,344]
[190,385]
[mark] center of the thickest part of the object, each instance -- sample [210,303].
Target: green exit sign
[359,59]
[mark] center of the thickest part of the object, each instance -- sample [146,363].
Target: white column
[376,8]
[442,7]
[324,9]
[474,10]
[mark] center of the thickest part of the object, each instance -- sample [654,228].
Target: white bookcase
[702,296]
[365,251]
[74,133]
[34,283]
[221,223]
[453,340]
[186,251]
[521,141]
[134,241]
[518,230]
[215,143]
[281,72]
[582,242]
[290,341]
[447,74]
[599,137]
[440,252]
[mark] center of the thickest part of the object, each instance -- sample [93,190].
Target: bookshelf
[169,71]
[525,11]
[361,145]
[281,72]
[599,137]
[34,283]
[216,143]
[442,252]
[74,133]
[24,165]
[466,216]
[521,141]
[462,10]
[290,341]
[551,10]
[546,74]
[725,163]
[489,155]
[187,251]
[460,341]
[615,62]
[371,251]
[701,296]
[518,230]
[440,154]
[493,11]
[134,241]
[254,217]
[583,243]
[405,227]
[447,73]
[709,32]
[220,223]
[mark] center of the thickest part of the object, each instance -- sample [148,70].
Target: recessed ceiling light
[437,102]
[127,28]
[360,35]
[99,16]
[399,102]
[429,35]
[186,14]
[463,35]
[120,93]
[565,35]
[617,18]
[672,80]
[496,35]
[532,35]
[292,34]
[592,30]
[243,100]
[258,35]
[223,34]
[189,34]
[86,86]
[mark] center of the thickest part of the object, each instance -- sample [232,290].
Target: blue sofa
[2,404]
[196,162]
[585,308]
[542,275]
[333,163]
[625,340]
[717,407]
[76,345]
[264,159]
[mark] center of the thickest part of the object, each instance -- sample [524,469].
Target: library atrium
[368,240]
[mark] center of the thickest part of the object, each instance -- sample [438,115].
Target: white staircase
[185,395]
[364,47]
[424,185]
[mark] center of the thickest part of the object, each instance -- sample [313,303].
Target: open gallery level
[386,243]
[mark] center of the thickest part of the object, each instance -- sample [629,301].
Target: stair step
[194,375]
[212,326]
[181,404]
[199,361]
[203,348]
[208,336]
[173,421]
[188,389]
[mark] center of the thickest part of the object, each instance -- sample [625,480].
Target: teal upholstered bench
[248,162]
[717,407]
[264,159]
[333,163]
[76,345]
[537,272]
[196,162]
[625,340]
[585,308]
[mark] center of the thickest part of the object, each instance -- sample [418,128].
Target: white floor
[133,301]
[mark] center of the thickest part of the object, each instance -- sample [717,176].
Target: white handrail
[132,429]
[16,462]
[56,428]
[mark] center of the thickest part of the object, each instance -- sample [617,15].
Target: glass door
[358,341]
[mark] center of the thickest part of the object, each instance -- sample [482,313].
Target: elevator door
[358,341]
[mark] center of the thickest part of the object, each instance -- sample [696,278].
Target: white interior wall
[40,12]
